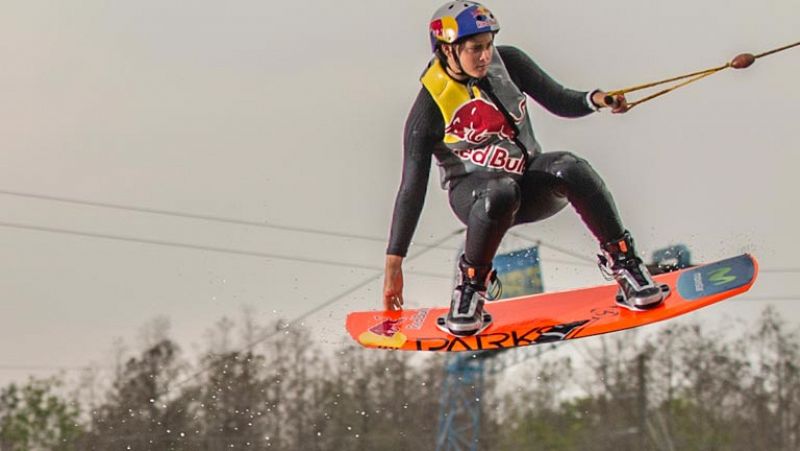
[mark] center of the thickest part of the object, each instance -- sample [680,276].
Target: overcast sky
[290,114]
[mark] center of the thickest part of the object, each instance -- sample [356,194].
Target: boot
[637,290]
[466,316]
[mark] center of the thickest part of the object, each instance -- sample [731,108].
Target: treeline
[684,388]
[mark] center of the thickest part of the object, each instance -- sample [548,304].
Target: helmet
[456,20]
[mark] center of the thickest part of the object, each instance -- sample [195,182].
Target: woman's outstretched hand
[393,283]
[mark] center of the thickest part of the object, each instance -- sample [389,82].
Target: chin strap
[460,72]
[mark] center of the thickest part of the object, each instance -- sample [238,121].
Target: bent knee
[577,174]
[501,198]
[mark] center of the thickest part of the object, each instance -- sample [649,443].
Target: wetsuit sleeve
[424,130]
[535,82]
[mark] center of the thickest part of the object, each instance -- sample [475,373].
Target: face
[475,54]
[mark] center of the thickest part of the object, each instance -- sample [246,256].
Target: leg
[487,206]
[564,174]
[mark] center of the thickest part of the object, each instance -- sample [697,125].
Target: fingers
[393,293]
[392,301]
[393,283]
[619,104]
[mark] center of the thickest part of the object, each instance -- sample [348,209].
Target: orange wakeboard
[549,317]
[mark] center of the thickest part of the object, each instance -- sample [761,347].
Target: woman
[471,116]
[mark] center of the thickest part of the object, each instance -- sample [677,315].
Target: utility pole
[460,404]
[642,398]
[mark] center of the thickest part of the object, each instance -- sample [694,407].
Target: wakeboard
[557,316]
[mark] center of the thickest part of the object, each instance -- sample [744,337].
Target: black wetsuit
[489,203]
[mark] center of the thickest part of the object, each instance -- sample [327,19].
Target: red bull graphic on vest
[480,122]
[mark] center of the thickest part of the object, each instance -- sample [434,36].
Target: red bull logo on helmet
[444,29]
[483,17]
[437,29]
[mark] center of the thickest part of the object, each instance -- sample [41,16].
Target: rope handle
[741,61]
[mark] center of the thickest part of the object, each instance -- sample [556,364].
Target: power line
[181,245]
[202,217]
[267,255]
[274,256]
[247,253]
[266,225]
[236,221]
